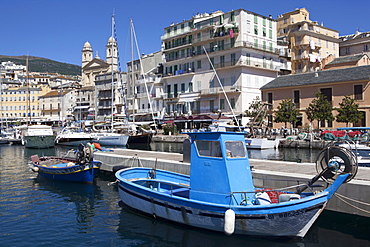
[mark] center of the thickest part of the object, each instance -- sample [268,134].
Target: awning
[81,107]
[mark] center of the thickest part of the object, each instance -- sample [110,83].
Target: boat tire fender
[229,222]
[89,153]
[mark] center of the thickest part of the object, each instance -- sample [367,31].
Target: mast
[132,70]
[28,94]
[112,66]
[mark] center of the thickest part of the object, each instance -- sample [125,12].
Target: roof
[320,77]
[347,59]
[357,35]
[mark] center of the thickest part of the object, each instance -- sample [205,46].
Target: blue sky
[58,29]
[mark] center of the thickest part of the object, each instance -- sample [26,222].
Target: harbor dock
[351,198]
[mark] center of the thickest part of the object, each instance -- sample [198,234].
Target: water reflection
[83,196]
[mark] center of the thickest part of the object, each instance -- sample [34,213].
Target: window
[197,105]
[169,91]
[222,61]
[211,86]
[190,87]
[211,22]
[232,58]
[232,103]
[255,19]
[357,92]
[199,64]
[296,98]
[270,34]
[233,81]
[175,92]
[255,29]
[232,42]
[235,149]
[222,104]
[264,62]
[255,43]
[366,47]
[232,16]
[264,32]
[248,56]
[199,85]
[328,93]
[208,148]
[182,87]
[269,98]
[211,105]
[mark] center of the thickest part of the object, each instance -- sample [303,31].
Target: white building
[145,87]
[242,47]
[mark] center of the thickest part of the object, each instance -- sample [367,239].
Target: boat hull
[288,219]
[144,138]
[84,173]
[70,141]
[111,139]
[261,143]
[39,141]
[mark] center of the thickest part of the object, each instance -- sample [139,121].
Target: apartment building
[56,105]
[309,41]
[353,44]
[20,103]
[211,56]
[145,87]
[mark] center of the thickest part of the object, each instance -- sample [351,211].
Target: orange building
[335,84]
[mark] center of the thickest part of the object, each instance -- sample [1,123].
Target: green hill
[39,64]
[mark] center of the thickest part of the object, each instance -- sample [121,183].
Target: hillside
[39,64]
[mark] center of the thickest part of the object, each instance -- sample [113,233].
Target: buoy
[35,169]
[229,225]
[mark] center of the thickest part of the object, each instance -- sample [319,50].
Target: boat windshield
[208,148]
[235,149]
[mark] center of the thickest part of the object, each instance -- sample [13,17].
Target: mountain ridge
[40,64]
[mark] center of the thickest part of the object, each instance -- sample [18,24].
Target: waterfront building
[57,105]
[356,43]
[21,103]
[103,95]
[145,87]
[335,84]
[309,41]
[240,45]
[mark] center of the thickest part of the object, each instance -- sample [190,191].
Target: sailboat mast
[28,94]
[112,67]
[132,70]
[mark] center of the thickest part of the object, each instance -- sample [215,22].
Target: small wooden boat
[220,195]
[82,168]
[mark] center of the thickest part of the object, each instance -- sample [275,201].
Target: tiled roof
[347,59]
[320,77]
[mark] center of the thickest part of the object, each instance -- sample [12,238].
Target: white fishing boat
[110,138]
[37,136]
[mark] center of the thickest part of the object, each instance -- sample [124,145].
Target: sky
[58,29]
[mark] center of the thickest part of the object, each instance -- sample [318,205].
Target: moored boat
[73,136]
[37,136]
[220,195]
[81,168]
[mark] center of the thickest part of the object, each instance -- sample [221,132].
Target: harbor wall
[351,198]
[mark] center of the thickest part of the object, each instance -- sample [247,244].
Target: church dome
[111,39]
[87,45]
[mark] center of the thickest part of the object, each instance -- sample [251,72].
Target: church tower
[112,53]
[87,53]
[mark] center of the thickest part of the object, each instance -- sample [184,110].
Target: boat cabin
[219,166]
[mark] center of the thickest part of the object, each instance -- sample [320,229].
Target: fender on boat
[229,225]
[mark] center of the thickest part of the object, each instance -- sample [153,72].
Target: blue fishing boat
[220,195]
[81,168]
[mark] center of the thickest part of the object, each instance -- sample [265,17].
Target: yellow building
[16,107]
[309,41]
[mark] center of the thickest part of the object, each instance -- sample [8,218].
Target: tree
[287,112]
[348,111]
[254,111]
[320,109]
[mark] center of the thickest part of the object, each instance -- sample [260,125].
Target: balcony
[218,90]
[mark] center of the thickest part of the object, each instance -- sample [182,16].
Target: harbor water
[38,212]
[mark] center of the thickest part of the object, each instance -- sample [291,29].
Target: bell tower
[111,53]
[87,53]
